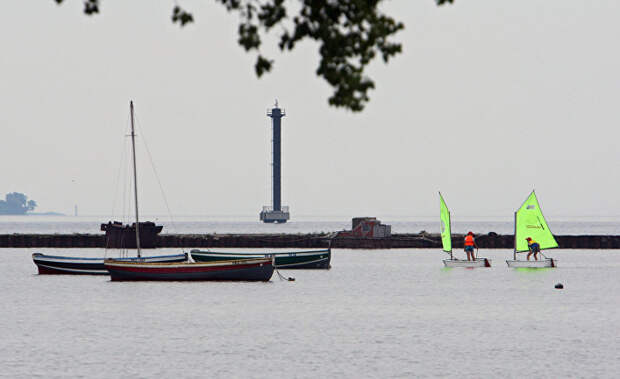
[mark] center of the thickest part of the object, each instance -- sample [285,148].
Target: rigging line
[125,218]
[127,183]
[282,277]
[161,188]
[541,224]
[118,171]
[118,192]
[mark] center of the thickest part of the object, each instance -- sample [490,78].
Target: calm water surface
[393,313]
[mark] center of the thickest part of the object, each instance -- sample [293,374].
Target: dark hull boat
[119,236]
[52,264]
[240,270]
[311,259]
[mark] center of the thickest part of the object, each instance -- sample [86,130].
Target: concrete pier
[309,240]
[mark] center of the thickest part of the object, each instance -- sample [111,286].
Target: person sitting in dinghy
[534,248]
[470,243]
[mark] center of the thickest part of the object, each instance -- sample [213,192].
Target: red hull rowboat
[238,270]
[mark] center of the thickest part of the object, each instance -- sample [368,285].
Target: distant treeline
[16,203]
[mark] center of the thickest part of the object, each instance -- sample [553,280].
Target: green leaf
[262,65]
[181,16]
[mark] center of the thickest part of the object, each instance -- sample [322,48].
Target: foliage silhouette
[350,34]
[16,203]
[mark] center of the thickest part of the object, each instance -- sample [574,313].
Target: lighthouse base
[271,216]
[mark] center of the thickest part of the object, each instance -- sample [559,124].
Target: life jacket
[469,240]
[531,242]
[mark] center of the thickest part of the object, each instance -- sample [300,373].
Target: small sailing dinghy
[446,241]
[530,222]
[54,264]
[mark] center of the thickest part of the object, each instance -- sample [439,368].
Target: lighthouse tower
[276,212]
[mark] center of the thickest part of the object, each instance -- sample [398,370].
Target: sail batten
[446,232]
[530,222]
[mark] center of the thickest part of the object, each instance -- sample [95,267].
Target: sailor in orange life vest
[470,243]
[534,248]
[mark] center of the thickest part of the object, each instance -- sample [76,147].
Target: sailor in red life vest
[470,243]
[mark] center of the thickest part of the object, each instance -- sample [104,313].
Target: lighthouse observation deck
[268,214]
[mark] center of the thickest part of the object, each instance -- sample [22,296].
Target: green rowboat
[309,259]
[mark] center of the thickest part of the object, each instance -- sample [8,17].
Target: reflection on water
[533,269]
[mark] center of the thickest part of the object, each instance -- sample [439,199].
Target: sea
[375,314]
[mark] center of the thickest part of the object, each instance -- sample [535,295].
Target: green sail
[530,222]
[446,236]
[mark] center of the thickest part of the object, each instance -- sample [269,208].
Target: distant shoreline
[34,214]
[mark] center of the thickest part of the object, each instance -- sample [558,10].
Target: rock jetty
[309,240]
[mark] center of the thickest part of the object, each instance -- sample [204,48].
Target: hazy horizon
[488,101]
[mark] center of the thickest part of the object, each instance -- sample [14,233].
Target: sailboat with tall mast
[135,179]
[530,223]
[250,269]
[446,241]
[53,264]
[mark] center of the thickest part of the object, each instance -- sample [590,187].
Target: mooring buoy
[559,286]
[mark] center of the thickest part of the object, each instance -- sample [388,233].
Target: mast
[514,254]
[450,225]
[135,178]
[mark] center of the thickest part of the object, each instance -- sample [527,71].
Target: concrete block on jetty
[368,227]
[307,240]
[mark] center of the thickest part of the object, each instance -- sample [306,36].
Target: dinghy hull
[541,263]
[61,265]
[479,262]
[241,270]
[311,259]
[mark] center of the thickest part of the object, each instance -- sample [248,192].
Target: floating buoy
[559,286]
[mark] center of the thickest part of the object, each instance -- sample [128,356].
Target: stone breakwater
[310,240]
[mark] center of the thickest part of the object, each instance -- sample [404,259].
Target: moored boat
[123,236]
[53,264]
[309,259]
[446,241]
[260,269]
[530,223]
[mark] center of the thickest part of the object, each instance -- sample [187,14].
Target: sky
[488,101]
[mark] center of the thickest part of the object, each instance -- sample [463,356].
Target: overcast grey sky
[488,100]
